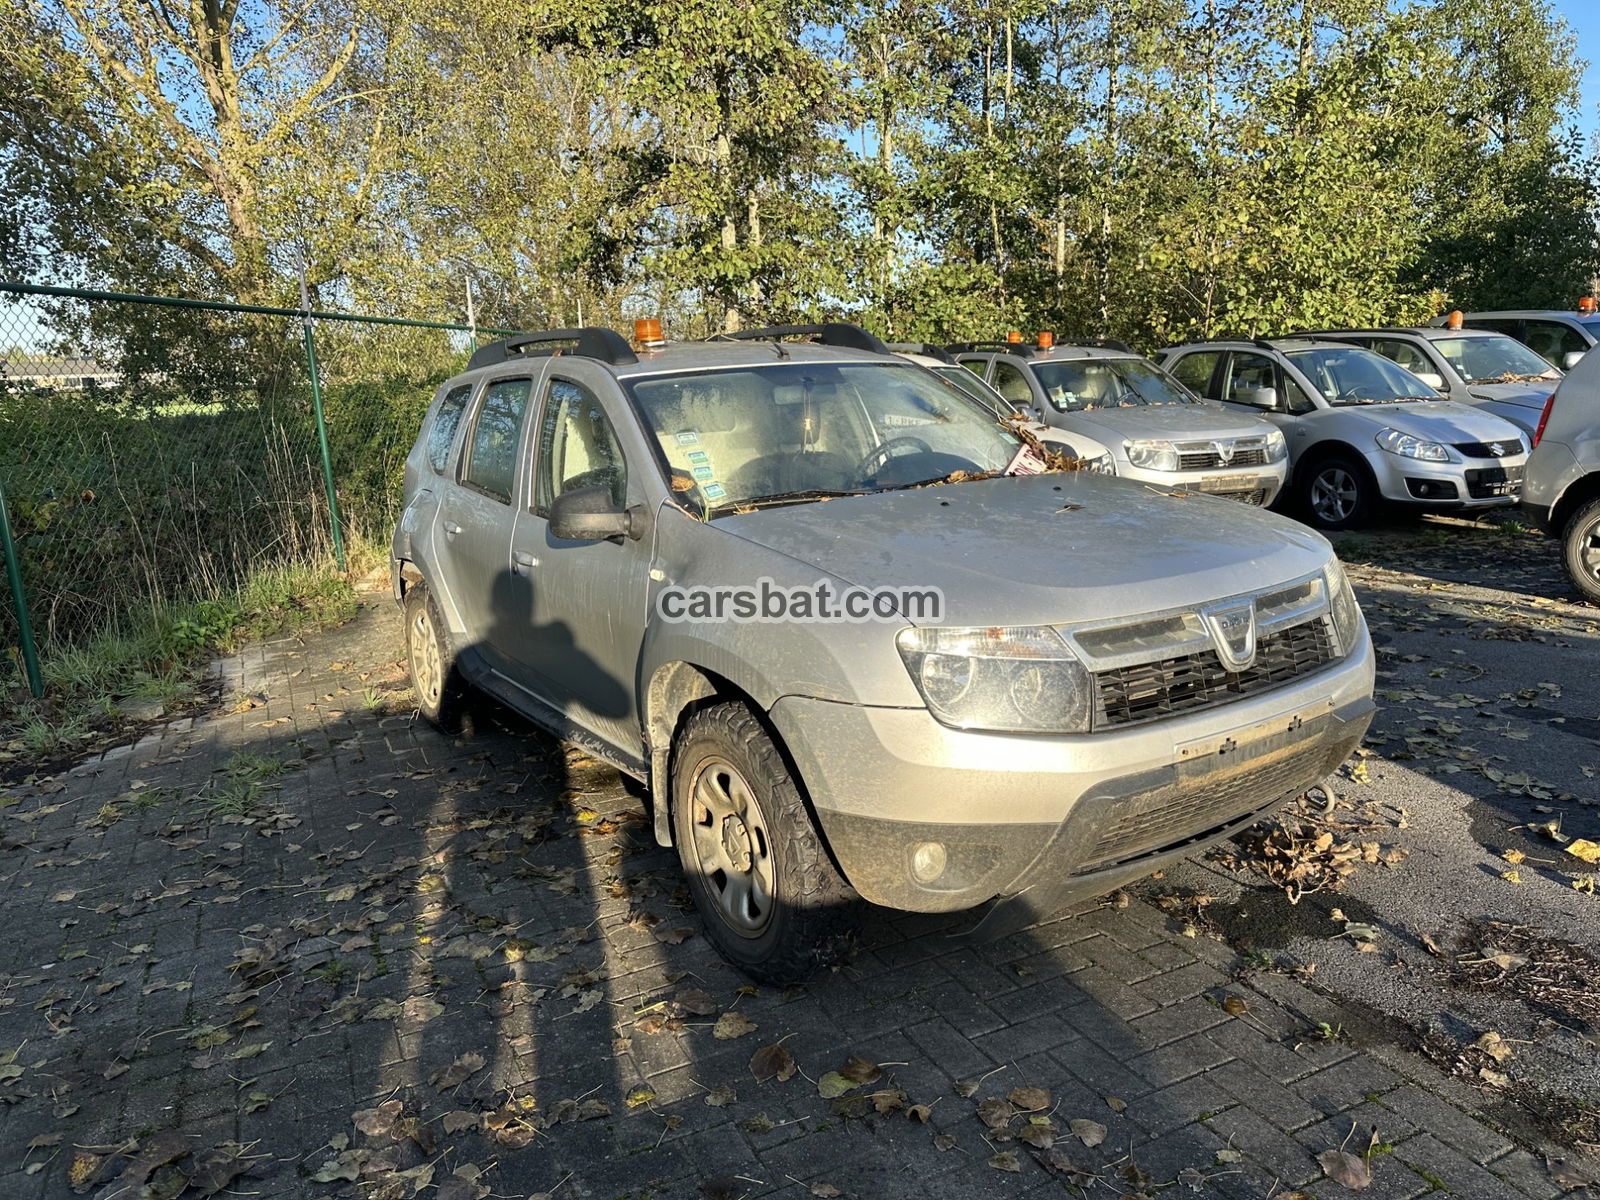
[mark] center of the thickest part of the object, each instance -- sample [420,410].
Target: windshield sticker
[699,458]
[1026,462]
[688,437]
[713,491]
[703,474]
[901,420]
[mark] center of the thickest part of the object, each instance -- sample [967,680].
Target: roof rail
[1098,343]
[1022,348]
[1263,343]
[587,341]
[831,333]
[926,349]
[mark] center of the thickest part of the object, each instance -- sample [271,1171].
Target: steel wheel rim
[1333,494]
[1589,549]
[731,847]
[427,667]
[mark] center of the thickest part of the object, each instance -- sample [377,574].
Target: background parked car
[942,364]
[1562,490]
[1560,336]
[1361,430]
[1156,430]
[1475,367]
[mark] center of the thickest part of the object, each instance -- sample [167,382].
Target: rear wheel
[440,691]
[1337,493]
[772,900]
[1580,544]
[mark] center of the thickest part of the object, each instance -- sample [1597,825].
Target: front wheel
[1580,546]
[772,900]
[1337,493]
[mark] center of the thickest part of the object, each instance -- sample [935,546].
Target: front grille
[1486,482]
[1192,681]
[1507,448]
[1257,497]
[1183,811]
[1210,460]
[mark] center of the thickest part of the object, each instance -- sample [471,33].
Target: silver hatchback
[856,645]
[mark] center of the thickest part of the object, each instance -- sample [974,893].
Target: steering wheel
[1364,391]
[868,466]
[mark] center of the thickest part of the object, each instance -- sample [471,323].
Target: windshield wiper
[798,496]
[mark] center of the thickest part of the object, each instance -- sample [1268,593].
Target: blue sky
[1584,17]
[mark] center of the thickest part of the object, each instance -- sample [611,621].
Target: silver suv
[1562,491]
[1361,430]
[1075,678]
[1155,430]
[1561,336]
[1475,367]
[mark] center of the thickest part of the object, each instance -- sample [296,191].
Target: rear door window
[442,433]
[1406,354]
[1195,372]
[1553,340]
[1012,384]
[491,460]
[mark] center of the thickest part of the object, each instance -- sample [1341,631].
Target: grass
[160,657]
[254,768]
[231,799]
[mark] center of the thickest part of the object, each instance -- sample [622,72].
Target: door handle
[521,562]
[451,529]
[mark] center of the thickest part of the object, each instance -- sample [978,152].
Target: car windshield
[747,437]
[1496,359]
[980,391]
[1083,383]
[1350,375]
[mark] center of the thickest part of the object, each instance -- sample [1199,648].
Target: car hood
[1438,421]
[1179,421]
[1524,395]
[1040,549]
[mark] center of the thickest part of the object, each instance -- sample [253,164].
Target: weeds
[254,768]
[232,799]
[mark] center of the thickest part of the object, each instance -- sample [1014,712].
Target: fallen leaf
[1006,1160]
[995,1112]
[1585,849]
[859,1070]
[732,1025]
[1345,1168]
[1234,1006]
[825,1191]
[720,1096]
[457,1073]
[639,1097]
[772,1062]
[832,1085]
[1116,1104]
[1029,1099]
[455,1122]
[1090,1133]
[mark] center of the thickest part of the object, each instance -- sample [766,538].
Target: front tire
[1580,548]
[440,691]
[1337,493]
[772,901]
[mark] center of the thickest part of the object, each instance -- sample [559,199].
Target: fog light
[927,861]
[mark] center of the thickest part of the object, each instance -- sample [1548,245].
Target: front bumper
[1054,818]
[1253,485]
[1473,484]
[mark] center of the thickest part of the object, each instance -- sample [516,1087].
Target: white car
[1094,455]
[1362,430]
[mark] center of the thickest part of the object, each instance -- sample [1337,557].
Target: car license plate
[1229,483]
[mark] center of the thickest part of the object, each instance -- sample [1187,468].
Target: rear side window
[1008,381]
[1404,354]
[1194,371]
[1553,340]
[492,454]
[442,434]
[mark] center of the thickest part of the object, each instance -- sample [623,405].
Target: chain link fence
[155,452]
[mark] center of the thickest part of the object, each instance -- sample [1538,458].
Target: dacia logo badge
[1497,449]
[1224,452]
[1233,632]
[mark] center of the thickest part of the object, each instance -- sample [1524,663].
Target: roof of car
[1547,313]
[1281,344]
[1033,354]
[834,342]
[1432,333]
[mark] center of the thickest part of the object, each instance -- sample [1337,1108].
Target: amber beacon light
[647,332]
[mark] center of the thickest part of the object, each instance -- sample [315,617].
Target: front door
[580,607]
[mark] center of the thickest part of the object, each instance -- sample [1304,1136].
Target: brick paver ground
[226,942]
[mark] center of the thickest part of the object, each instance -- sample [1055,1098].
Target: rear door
[477,509]
[575,612]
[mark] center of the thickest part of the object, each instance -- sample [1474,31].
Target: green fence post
[30,652]
[322,425]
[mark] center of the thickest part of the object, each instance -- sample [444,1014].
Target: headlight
[1022,679]
[1152,455]
[1407,446]
[1101,464]
[1342,604]
[1277,447]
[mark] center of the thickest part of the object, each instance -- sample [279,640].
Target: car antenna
[777,344]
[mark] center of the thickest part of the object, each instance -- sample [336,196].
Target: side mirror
[1432,378]
[589,515]
[1260,397]
[1570,359]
